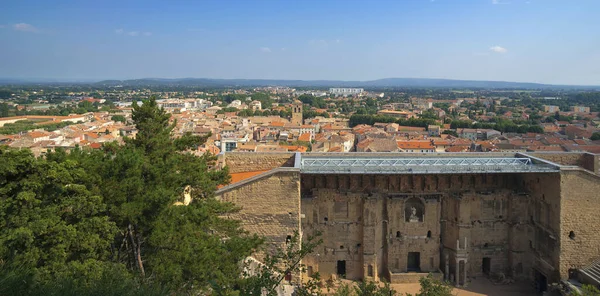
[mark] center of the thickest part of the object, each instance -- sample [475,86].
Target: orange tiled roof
[414,145]
[304,137]
[237,177]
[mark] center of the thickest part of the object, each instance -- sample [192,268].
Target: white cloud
[283,49]
[23,27]
[265,49]
[132,33]
[498,49]
[495,2]
[2,26]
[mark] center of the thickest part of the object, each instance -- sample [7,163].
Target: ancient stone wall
[544,211]
[270,206]
[250,161]
[338,217]
[413,235]
[580,203]
[572,158]
[591,162]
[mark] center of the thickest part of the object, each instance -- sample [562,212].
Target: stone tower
[297,112]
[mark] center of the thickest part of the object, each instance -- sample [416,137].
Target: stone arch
[414,210]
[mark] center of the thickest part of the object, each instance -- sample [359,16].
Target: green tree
[50,223]
[182,246]
[264,99]
[4,110]
[595,136]
[586,290]
[433,287]
[450,132]
[118,118]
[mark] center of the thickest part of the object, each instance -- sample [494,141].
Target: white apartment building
[346,91]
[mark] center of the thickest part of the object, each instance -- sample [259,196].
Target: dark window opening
[370,270]
[485,245]
[429,234]
[572,235]
[398,234]
[358,245]
[341,268]
[540,281]
[341,247]
[325,219]
[486,265]
[288,239]
[414,261]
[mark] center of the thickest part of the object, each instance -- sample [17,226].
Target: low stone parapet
[412,277]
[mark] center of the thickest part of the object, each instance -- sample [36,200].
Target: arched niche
[414,210]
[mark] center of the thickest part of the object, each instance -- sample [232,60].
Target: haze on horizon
[544,41]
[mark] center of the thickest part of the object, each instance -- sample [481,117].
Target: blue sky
[548,41]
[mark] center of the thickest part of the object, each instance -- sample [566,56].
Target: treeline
[250,113]
[501,126]
[27,125]
[60,110]
[357,119]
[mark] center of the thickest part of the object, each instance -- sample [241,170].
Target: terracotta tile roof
[304,137]
[294,148]
[237,177]
[455,149]
[95,145]
[35,135]
[415,145]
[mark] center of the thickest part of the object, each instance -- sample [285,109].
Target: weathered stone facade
[398,227]
[250,161]
[270,205]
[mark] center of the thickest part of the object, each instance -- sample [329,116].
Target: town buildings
[346,91]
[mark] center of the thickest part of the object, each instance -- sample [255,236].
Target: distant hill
[379,83]
[387,82]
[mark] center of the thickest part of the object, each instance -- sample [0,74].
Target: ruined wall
[563,158]
[580,202]
[591,162]
[544,211]
[338,216]
[251,161]
[419,236]
[270,206]
[488,235]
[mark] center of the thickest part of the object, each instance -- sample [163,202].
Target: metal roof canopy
[420,165]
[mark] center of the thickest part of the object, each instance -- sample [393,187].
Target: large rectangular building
[400,216]
[346,91]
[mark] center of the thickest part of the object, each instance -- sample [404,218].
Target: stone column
[447,274]
[457,273]
[465,273]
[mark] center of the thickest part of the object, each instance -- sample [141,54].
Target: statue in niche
[187,197]
[413,215]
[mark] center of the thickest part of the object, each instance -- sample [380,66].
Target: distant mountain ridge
[386,82]
[379,83]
